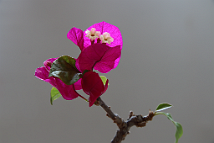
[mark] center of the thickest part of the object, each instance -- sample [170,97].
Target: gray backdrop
[167,56]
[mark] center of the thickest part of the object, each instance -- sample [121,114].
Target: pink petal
[107,62]
[93,86]
[106,27]
[98,56]
[89,56]
[42,73]
[76,36]
[67,91]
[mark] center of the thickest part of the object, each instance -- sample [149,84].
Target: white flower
[92,34]
[106,38]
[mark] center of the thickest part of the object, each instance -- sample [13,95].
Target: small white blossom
[92,34]
[106,38]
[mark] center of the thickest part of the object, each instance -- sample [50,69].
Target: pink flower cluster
[100,46]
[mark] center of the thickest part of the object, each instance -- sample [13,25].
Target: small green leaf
[54,95]
[104,79]
[179,129]
[163,106]
[64,68]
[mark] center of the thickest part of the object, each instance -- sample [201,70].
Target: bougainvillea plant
[100,47]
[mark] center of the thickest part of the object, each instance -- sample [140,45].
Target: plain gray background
[167,56]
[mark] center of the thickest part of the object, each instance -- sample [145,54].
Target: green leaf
[179,129]
[54,95]
[104,79]
[163,106]
[64,68]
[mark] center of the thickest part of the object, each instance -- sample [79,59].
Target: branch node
[108,115]
[131,114]
[97,103]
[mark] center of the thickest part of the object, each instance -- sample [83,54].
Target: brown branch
[124,126]
[116,118]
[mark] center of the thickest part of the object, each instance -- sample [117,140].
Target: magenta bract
[76,36]
[98,56]
[93,86]
[68,92]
